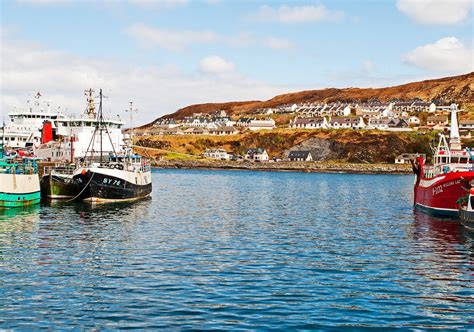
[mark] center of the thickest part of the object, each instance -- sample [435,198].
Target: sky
[167,54]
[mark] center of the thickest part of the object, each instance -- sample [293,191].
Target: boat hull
[467,218]
[439,195]
[18,190]
[112,185]
[55,186]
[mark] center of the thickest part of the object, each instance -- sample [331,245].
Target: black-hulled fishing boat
[466,210]
[114,177]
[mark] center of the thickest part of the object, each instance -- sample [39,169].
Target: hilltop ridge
[457,89]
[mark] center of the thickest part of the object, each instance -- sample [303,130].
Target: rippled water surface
[249,250]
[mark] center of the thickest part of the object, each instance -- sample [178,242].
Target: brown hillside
[335,145]
[449,89]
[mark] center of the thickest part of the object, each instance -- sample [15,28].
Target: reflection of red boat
[439,186]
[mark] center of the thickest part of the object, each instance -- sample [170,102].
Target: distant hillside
[367,146]
[449,89]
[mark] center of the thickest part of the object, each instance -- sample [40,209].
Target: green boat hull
[10,200]
[58,187]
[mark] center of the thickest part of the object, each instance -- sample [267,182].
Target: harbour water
[236,249]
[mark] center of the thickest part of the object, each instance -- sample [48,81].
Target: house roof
[255,151]
[410,155]
[379,121]
[437,118]
[466,122]
[215,151]
[309,120]
[397,123]
[224,128]
[299,154]
[355,120]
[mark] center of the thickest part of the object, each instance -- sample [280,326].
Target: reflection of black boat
[466,210]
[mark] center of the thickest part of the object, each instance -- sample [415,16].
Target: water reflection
[18,220]
[238,250]
[442,232]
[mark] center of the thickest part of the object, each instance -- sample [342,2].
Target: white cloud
[296,14]
[368,67]
[436,11]
[43,2]
[447,55]
[216,65]
[243,39]
[62,77]
[278,43]
[158,3]
[179,40]
[173,40]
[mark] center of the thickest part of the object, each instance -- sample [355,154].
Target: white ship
[25,125]
[72,136]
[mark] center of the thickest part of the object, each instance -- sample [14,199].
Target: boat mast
[3,140]
[131,110]
[101,124]
[100,127]
[454,139]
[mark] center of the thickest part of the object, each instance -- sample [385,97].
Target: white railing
[432,171]
[63,170]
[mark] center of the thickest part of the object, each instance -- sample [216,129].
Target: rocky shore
[324,167]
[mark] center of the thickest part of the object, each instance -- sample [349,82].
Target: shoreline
[306,167]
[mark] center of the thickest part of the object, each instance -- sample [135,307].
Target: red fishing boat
[440,185]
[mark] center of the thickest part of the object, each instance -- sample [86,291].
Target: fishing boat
[438,186]
[19,182]
[57,182]
[466,210]
[67,141]
[113,178]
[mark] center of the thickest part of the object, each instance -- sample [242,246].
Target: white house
[196,131]
[381,124]
[466,124]
[405,158]
[256,154]
[258,124]
[220,154]
[346,111]
[300,156]
[309,123]
[165,123]
[437,122]
[223,131]
[347,122]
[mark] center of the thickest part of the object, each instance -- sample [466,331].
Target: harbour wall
[287,166]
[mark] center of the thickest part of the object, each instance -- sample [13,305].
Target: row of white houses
[345,109]
[252,154]
[349,123]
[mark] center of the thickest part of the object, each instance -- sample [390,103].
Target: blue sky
[167,54]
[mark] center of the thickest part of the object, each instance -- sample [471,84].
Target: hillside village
[395,116]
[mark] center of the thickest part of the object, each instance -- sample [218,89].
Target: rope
[87,185]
